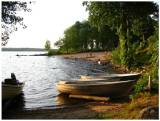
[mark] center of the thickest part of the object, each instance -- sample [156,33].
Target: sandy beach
[93,56]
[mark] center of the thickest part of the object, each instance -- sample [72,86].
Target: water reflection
[17,103]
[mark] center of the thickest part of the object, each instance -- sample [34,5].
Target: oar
[89,97]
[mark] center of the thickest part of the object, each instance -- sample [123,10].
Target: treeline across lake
[23,49]
[128,29]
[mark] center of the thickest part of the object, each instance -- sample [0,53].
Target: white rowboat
[133,76]
[98,88]
[9,91]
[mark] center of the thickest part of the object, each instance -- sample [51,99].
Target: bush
[141,84]
[52,52]
[139,87]
[116,56]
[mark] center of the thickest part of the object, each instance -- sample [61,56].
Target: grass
[132,109]
[105,116]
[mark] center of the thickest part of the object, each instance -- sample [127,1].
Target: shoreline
[104,57]
[91,110]
[90,56]
[112,109]
[87,110]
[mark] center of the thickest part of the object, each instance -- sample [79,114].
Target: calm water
[40,73]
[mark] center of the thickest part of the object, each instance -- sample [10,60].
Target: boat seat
[62,82]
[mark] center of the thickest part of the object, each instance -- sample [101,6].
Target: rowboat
[133,76]
[122,76]
[9,91]
[98,88]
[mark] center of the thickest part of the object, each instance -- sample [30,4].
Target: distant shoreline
[45,54]
[24,49]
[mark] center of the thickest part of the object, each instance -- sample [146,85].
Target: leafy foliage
[48,45]
[127,18]
[115,56]
[49,49]
[10,18]
[83,37]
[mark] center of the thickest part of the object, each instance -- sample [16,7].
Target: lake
[40,74]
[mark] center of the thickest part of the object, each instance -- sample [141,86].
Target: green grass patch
[105,116]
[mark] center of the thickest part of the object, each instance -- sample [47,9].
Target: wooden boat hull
[134,76]
[10,91]
[111,89]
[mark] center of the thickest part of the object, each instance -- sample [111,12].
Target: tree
[74,38]
[59,43]
[123,17]
[84,35]
[10,18]
[81,36]
[48,45]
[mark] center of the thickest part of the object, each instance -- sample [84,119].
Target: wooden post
[89,97]
[149,83]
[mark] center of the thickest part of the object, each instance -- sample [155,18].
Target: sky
[47,21]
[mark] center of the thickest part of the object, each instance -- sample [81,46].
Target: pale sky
[47,21]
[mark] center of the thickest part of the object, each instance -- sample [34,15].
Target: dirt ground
[83,111]
[90,110]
